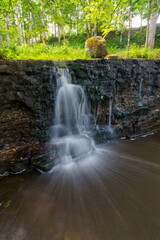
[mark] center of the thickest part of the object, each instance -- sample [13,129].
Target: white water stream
[71,120]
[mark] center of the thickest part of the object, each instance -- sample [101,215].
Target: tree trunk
[95,29]
[121,41]
[22,24]
[148,25]
[129,30]
[91,29]
[1,38]
[7,28]
[70,28]
[64,37]
[141,22]
[30,16]
[77,21]
[19,26]
[43,22]
[87,30]
[59,33]
[52,28]
[152,29]
[55,30]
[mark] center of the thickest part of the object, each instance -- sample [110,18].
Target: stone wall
[27,94]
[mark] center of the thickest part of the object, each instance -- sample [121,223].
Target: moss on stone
[93,41]
[95,47]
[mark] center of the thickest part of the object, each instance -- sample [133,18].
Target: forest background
[58,29]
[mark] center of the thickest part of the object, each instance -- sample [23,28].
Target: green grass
[72,50]
[43,52]
[137,52]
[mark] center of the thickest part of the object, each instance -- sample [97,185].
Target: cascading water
[140,93]
[110,117]
[71,120]
[110,113]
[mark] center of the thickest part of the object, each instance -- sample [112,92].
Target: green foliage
[73,48]
[24,22]
[43,52]
[137,52]
[74,40]
[61,51]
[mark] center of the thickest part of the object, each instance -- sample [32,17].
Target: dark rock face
[27,94]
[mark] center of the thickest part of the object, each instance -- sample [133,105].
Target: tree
[43,22]
[129,30]
[153,14]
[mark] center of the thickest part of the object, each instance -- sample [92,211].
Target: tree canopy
[28,21]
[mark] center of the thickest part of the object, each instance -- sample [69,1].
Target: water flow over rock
[140,93]
[110,114]
[71,120]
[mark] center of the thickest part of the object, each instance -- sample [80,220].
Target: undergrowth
[137,52]
[72,49]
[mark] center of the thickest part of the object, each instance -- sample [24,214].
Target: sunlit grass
[61,51]
[137,52]
[44,52]
[47,52]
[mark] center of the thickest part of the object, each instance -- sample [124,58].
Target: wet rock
[3,69]
[27,94]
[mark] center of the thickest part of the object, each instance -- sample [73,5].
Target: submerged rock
[95,47]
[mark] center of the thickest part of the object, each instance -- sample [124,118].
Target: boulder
[112,56]
[95,47]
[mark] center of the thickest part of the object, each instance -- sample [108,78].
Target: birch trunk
[95,29]
[43,22]
[148,25]
[141,22]
[22,26]
[1,38]
[55,30]
[70,28]
[152,29]
[59,33]
[19,27]
[151,24]
[129,30]
[87,30]
[64,37]
[7,28]
[91,29]
[121,41]
[31,20]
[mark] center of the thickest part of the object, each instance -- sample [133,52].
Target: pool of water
[112,194]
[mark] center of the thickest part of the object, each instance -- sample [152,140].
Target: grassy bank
[43,52]
[140,52]
[74,49]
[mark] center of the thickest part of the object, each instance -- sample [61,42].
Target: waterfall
[71,108]
[71,120]
[140,93]
[110,115]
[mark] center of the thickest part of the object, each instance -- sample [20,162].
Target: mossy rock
[95,47]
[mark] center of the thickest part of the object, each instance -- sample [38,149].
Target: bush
[137,52]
